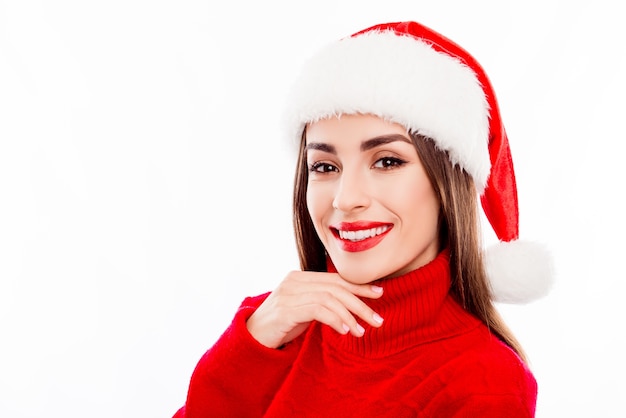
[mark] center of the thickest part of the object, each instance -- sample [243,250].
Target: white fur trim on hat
[519,271]
[403,80]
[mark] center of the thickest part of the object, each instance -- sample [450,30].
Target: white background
[145,185]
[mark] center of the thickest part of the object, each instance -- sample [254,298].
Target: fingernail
[360,329]
[346,328]
[377,289]
[378,318]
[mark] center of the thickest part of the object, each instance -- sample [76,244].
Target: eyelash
[315,168]
[323,168]
[394,162]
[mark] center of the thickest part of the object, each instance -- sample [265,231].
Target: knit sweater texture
[430,358]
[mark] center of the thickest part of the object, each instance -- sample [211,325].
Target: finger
[336,294]
[347,306]
[361,310]
[367,290]
[335,315]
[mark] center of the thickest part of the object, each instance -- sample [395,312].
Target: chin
[360,274]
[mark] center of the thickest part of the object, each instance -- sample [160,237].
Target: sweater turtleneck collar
[417,308]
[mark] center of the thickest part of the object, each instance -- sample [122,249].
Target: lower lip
[363,245]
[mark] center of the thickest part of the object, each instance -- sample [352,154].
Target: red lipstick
[360,235]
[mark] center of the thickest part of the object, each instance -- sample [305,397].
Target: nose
[351,193]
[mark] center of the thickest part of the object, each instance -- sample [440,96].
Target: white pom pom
[519,271]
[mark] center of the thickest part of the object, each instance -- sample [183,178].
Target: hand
[305,296]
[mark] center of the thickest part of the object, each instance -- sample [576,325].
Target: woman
[392,313]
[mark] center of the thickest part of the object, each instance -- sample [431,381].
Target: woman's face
[369,197]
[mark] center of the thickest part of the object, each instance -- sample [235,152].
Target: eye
[387,163]
[322,168]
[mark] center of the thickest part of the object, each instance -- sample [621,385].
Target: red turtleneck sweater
[430,358]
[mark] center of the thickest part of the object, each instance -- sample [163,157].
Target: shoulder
[494,364]
[488,378]
[478,349]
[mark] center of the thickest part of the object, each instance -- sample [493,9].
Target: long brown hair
[459,230]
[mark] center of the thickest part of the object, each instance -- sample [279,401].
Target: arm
[238,376]
[493,406]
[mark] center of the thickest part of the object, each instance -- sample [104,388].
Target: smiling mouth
[361,234]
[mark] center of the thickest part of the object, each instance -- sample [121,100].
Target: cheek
[419,207]
[318,203]
[427,206]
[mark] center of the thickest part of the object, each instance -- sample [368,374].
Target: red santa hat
[407,73]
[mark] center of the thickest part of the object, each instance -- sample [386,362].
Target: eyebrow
[365,145]
[382,140]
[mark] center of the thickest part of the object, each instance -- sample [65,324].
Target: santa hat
[407,73]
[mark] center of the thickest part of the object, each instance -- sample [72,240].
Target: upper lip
[358,225]
[360,230]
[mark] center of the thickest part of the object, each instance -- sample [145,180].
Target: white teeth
[362,234]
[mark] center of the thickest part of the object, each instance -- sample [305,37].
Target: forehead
[358,127]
